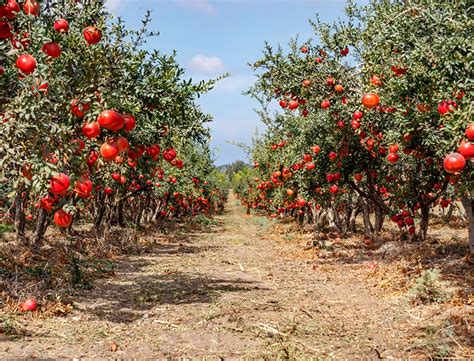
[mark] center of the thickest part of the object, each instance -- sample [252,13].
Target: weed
[5,228]
[203,220]
[429,288]
[9,325]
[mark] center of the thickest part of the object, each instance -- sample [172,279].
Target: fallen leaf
[113,347]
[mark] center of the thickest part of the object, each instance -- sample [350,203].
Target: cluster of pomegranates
[455,162]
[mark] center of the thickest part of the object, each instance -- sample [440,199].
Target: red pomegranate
[169,154]
[370,100]
[61,26]
[110,119]
[466,149]
[59,184]
[62,218]
[26,63]
[129,122]
[78,108]
[83,187]
[52,49]
[29,305]
[454,163]
[109,151]
[92,35]
[91,130]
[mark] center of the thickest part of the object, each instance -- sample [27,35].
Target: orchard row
[376,120]
[93,126]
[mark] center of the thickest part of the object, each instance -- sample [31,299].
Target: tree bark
[41,226]
[468,204]
[19,208]
[424,223]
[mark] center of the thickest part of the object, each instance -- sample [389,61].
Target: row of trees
[93,125]
[376,121]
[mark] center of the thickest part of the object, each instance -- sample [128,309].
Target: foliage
[163,167]
[333,152]
[429,287]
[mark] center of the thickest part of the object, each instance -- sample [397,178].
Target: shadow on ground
[137,293]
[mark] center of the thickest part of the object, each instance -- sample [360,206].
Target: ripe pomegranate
[358,115]
[355,124]
[393,148]
[110,119]
[325,104]
[10,9]
[91,130]
[316,149]
[78,108]
[29,305]
[375,80]
[393,158]
[334,189]
[26,63]
[62,218]
[470,132]
[5,30]
[61,26]
[129,122]
[293,104]
[370,100]
[83,187]
[109,151]
[466,149]
[52,49]
[454,163]
[122,143]
[92,35]
[446,106]
[31,7]
[59,184]
[307,158]
[169,154]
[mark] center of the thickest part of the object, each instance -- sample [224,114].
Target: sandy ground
[229,291]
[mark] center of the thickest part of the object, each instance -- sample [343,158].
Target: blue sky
[213,37]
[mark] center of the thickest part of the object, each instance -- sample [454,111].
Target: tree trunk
[369,229]
[424,223]
[41,226]
[379,219]
[138,219]
[120,218]
[19,208]
[468,204]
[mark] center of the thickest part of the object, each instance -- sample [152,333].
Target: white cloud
[210,65]
[113,5]
[203,6]
[235,83]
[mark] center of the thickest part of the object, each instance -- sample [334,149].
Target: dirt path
[230,293]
